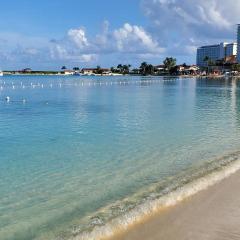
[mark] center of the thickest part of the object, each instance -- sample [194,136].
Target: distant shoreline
[115,75]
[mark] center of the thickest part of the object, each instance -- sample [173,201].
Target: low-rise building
[88,71]
[187,69]
[93,71]
[67,72]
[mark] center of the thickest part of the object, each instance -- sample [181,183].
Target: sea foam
[226,167]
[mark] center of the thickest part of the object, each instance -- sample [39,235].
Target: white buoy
[7,99]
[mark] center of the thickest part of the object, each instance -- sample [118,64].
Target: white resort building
[216,52]
[238,43]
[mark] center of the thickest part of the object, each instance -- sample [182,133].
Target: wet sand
[212,214]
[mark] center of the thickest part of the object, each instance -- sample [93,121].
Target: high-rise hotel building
[238,43]
[216,52]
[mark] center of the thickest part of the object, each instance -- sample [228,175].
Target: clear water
[79,147]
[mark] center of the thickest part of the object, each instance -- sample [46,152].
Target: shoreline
[210,213]
[131,223]
[118,75]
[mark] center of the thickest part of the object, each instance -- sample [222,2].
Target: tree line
[144,69]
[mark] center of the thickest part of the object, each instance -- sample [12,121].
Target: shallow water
[80,151]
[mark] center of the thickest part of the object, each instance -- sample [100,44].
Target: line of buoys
[14,85]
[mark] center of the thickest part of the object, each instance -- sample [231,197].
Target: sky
[48,34]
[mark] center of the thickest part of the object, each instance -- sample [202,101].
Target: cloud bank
[182,25]
[127,43]
[174,28]
[128,39]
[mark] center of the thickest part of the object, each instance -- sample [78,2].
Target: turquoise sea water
[80,151]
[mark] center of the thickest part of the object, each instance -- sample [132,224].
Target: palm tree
[169,63]
[125,69]
[120,68]
[99,70]
[143,67]
[150,69]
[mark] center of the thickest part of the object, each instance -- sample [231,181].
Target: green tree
[169,63]
[143,68]
[125,69]
[120,68]
[150,69]
[236,67]
[76,69]
[146,69]
[64,68]
[98,70]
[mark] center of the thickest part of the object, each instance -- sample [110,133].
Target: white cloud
[134,39]
[78,37]
[175,28]
[214,14]
[124,44]
[129,39]
[191,23]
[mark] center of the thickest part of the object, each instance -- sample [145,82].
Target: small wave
[206,176]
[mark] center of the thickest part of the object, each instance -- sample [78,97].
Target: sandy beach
[211,214]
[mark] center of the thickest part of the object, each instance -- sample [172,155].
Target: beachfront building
[88,71]
[67,72]
[231,50]
[94,71]
[238,43]
[215,52]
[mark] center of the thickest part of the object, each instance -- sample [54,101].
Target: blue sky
[52,18]
[48,34]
